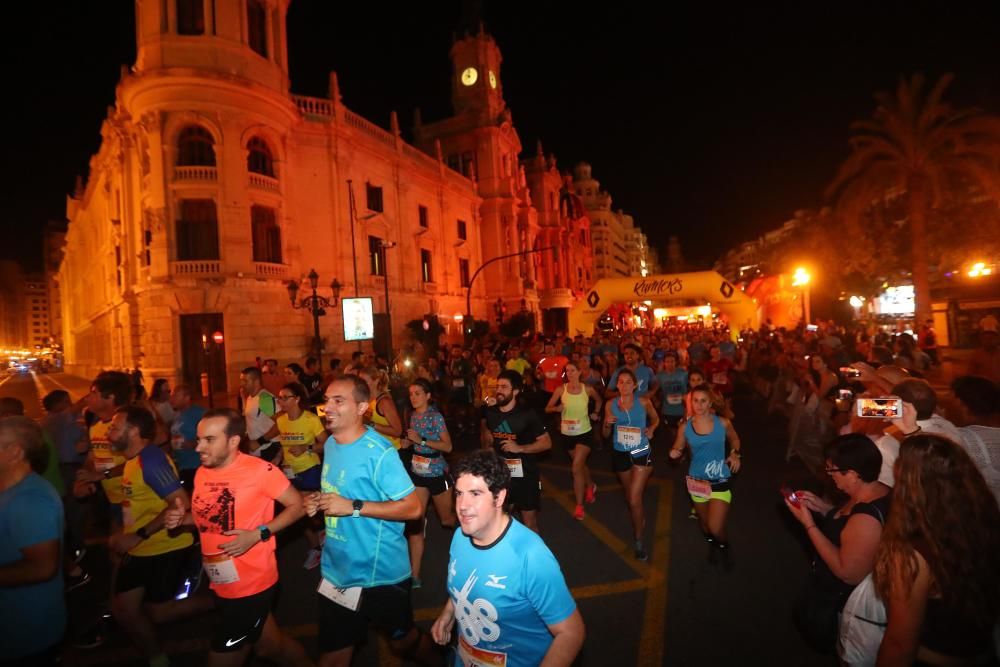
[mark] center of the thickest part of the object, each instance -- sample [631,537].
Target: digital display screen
[359,324]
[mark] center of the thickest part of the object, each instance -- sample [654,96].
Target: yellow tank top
[378,418]
[105,458]
[575,418]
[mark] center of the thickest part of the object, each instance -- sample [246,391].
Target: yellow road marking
[655,613]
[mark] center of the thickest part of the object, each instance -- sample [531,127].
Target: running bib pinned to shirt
[699,488]
[458,383]
[420,465]
[479,657]
[720,378]
[348,598]
[572,426]
[675,399]
[220,568]
[629,437]
[516,467]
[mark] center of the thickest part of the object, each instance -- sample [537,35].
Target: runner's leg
[415,533]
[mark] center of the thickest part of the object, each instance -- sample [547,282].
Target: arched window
[195,148]
[190,17]
[257,26]
[260,160]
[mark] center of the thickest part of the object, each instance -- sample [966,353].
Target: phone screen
[788,493]
[880,408]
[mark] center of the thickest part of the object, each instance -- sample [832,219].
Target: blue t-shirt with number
[364,551]
[505,596]
[32,616]
[185,425]
[673,385]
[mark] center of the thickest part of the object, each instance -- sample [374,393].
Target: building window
[463,272]
[454,163]
[197,230]
[375,256]
[190,17]
[195,147]
[266,234]
[257,26]
[422,217]
[462,231]
[469,164]
[426,269]
[259,159]
[374,196]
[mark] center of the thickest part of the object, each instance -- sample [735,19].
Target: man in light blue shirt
[506,591]
[366,497]
[32,606]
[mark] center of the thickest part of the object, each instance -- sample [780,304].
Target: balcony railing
[195,174]
[315,107]
[262,182]
[369,128]
[198,267]
[270,270]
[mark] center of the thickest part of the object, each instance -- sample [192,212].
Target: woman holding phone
[844,537]
[706,434]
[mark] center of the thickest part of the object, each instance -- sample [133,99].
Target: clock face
[469,76]
[493,79]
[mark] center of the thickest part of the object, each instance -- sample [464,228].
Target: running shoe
[95,635]
[313,559]
[75,581]
[640,553]
[591,494]
[578,513]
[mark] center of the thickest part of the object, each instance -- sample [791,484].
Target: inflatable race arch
[740,310]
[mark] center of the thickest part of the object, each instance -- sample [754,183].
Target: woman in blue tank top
[633,420]
[706,433]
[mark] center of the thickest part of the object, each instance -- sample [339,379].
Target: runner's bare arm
[679,444]
[553,405]
[598,401]
[567,639]
[541,444]
[652,415]
[441,630]
[404,509]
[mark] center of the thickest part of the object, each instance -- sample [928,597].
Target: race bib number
[572,426]
[516,467]
[629,437]
[675,399]
[479,657]
[102,463]
[220,568]
[420,465]
[348,598]
[720,378]
[552,375]
[459,383]
[699,488]
[289,472]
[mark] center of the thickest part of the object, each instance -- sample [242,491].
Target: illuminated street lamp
[316,305]
[979,269]
[801,279]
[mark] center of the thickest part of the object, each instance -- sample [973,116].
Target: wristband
[907,435]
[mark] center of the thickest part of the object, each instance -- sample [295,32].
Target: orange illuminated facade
[214,186]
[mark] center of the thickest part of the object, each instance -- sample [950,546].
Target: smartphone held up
[883,407]
[790,495]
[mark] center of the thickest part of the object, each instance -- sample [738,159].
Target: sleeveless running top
[629,433]
[575,417]
[380,419]
[708,451]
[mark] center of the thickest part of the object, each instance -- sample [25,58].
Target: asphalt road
[676,609]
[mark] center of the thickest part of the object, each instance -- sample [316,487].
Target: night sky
[708,121]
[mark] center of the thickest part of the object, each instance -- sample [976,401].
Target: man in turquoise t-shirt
[507,593]
[366,497]
[673,383]
[32,606]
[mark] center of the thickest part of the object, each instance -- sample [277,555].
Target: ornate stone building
[214,186]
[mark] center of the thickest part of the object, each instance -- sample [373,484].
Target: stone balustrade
[195,174]
[198,267]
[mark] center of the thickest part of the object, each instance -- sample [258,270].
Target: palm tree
[918,145]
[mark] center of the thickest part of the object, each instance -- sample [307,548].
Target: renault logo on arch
[593,299]
[726,289]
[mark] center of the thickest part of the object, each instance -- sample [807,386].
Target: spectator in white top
[978,413]
[919,404]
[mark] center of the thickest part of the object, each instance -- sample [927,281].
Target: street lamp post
[316,305]
[468,320]
[801,279]
[385,245]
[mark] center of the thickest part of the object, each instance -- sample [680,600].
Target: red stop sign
[217,337]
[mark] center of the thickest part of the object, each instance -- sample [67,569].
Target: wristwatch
[423,442]
[265,533]
[107,474]
[357,505]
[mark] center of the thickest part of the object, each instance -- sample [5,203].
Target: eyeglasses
[830,471]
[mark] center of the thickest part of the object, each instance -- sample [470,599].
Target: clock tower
[475,81]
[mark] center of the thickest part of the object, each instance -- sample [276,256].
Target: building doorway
[200,353]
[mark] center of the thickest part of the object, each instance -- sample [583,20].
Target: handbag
[862,625]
